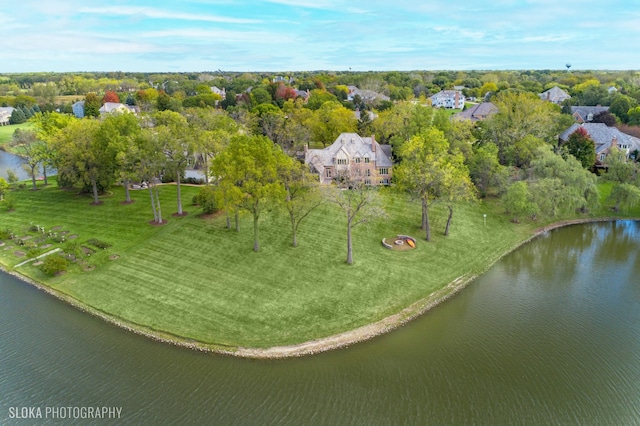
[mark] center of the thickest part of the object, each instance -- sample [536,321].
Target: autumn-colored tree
[110,96]
[582,147]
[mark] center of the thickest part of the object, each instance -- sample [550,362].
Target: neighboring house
[604,138]
[448,99]
[218,91]
[5,115]
[585,114]
[78,109]
[612,90]
[477,112]
[304,94]
[366,95]
[555,95]
[360,156]
[111,107]
[358,114]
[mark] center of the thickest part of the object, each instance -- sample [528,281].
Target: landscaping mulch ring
[87,250]
[19,253]
[114,256]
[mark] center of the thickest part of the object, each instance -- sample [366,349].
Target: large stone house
[362,158]
[604,138]
[448,99]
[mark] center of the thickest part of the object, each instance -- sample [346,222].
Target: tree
[330,120]
[520,114]
[17,116]
[621,105]
[31,149]
[582,147]
[92,105]
[319,97]
[4,187]
[301,193]
[83,158]
[47,126]
[457,186]
[151,164]
[177,145]
[485,169]
[605,117]
[619,170]
[426,171]
[119,132]
[634,116]
[359,202]
[110,96]
[624,196]
[561,185]
[518,201]
[247,171]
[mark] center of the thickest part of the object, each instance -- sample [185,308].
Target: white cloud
[148,12]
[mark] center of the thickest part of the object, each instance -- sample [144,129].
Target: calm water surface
[10,161]
[550,335]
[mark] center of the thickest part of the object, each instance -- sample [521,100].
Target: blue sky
[299,35]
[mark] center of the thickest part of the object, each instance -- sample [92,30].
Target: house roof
[555,95]
[351,145]
[109,107]
[581,113]
[477,112]
[601,134]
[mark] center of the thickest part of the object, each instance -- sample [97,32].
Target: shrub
[71,247]
[98,243]
[5,234]
[54,264]
[206,198]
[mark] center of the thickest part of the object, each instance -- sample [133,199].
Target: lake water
[10,161]
[549,335]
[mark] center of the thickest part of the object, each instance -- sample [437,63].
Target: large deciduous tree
[520,115]
[177,145]
[84,158]
[120,132]
[359,202]
[247,170]
[330,120]
[301,192]
[430,173]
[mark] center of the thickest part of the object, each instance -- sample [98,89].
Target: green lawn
[6,132]
[194,278]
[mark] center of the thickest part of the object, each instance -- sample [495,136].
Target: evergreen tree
[17,116]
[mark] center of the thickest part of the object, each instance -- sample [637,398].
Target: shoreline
[311,347]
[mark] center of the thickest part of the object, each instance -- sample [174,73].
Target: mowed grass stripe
[195,278]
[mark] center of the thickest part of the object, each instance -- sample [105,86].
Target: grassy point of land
[194,281]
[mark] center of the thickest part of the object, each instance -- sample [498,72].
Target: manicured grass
[196,279]
[6,132]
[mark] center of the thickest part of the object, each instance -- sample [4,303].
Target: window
[358,159]
[384,171]
[366,159]
[342,161]
[368,172]
[367,181]
[602,157]
[328,173]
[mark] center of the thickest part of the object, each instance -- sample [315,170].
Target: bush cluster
[54,264]
[98,243]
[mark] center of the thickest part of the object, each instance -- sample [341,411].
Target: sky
[311,35]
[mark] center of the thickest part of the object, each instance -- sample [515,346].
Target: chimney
[614,142]
[373,143]
[306,148]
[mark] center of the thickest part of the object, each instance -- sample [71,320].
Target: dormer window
[358,159]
